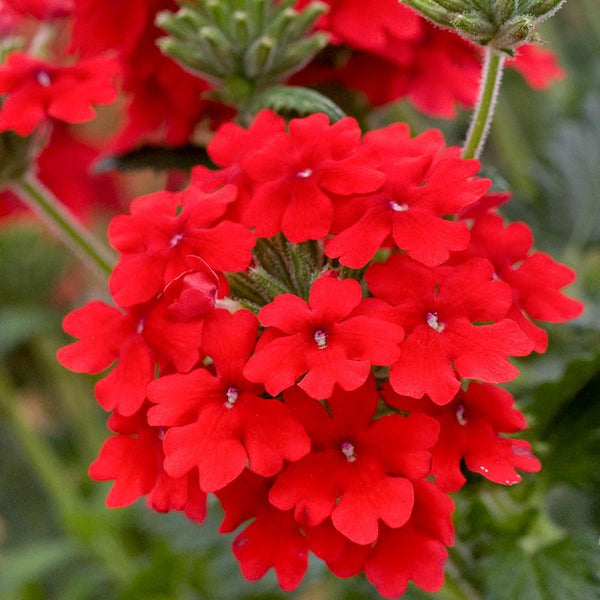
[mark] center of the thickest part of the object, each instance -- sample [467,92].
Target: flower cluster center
[398,207]
[44,79]
[434,323]
[320,338]
[348,451]
[232,396]
[176,239]
[304,174]
[460,415]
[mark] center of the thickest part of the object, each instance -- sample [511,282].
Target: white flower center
[348,451]
[398,207]
[176,239]
[44,79]
[320,338]
[304,174]
[460,415]
[433,322]
[232,396]
[140,326]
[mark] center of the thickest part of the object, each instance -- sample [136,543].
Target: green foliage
[296,101]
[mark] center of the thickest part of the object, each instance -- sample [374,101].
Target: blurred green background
[536,541]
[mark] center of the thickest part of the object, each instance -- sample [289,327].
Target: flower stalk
[484,111]
[40,199]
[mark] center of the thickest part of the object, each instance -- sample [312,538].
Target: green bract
[501,24]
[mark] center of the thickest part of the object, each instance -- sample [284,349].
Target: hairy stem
[94,253]
[484,111]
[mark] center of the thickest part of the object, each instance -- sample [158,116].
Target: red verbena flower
[321,340]
[36,90]
[422,186]
[272,540]
[218,422]
[133,459]
[358,470]
[163,229]
[535,278]
[296,174]
[440,309]
[470,429]
[137,340]
[228,149]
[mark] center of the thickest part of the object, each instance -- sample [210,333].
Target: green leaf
[19,324]
[22,565]
[563,570]
[30,263]
[156,158]
[293,100]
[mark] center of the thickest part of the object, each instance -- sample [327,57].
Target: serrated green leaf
[294,100]
[156,158]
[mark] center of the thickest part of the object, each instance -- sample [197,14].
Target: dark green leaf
[156,158]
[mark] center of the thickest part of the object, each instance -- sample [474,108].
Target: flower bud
[502,24]
[262,42]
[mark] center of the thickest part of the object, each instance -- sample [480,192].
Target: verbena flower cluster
[313,332]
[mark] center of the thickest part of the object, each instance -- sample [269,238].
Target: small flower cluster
[313,333]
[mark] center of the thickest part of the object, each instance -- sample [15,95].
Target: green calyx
[502,24]
[242,46]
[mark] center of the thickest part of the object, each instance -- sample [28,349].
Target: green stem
[49,208]
[484,111]
[76,515]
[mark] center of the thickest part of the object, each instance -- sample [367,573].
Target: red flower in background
[36,90]
[321,340]
[470,429]
[398,54]
[164,100]
[42,9]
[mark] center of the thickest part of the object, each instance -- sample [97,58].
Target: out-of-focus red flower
[78,187]
[42,9]
[37,90]
[397,54]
